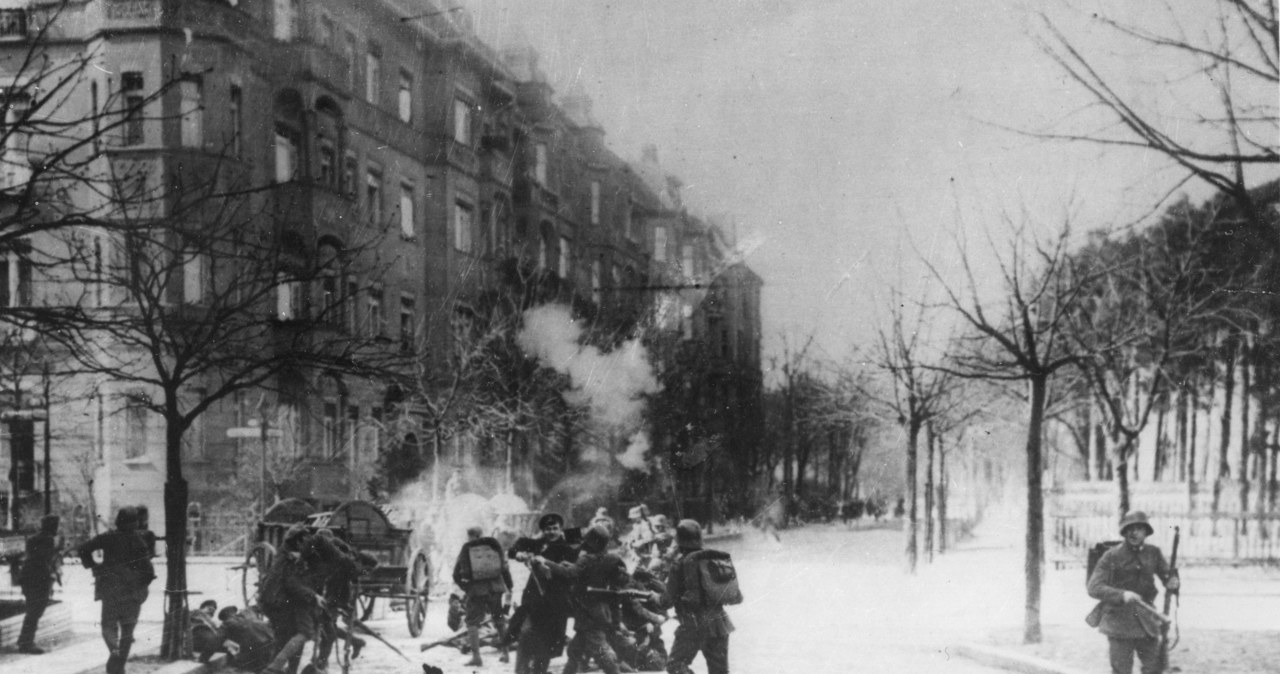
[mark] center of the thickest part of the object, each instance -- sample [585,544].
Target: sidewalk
[1228,620]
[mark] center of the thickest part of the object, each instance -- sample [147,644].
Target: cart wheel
[419,582]
[364,606]
[256,563]
[416,612]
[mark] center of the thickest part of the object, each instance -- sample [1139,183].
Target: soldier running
[704,625]
[481,571]
[593,617]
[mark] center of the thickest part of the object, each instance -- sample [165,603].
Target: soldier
[593,618]
[120,583]
[205,637]
[289,602]
[333,569]
[1123,581]
[704,625]
[248,639]
[545,601]
[39,572]
[481,571]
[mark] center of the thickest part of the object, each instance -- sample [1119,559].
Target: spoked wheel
[256,563]
[419,584]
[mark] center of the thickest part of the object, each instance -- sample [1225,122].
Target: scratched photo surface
[909,305]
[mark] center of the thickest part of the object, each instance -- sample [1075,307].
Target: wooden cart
[402,577]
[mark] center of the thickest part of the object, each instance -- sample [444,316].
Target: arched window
[289,128]
[330,143]
[333,402]
[330,300]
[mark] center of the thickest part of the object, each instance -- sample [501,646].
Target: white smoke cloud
[637,448]
[611,384]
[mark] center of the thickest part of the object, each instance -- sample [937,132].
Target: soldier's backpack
[486,562]
[1095,553]
[716,580]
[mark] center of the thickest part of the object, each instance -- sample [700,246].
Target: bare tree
[918,392]
[1020,336]
[1215,116]
[209,288]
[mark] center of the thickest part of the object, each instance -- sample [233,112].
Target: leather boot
[473,640]
[115,664]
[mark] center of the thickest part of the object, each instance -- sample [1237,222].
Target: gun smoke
[611,384]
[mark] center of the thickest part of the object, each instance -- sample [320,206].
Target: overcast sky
[845,137]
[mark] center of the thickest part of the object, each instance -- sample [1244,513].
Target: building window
[349,173]
[406,210]
[236,112]
[372,75]
[330,301]
[544,250]
[196,444]
[349,428]
[463,223]
[196,278]
[99,286]
[407,333]
[191,92]
[540,164]
[328,163]
[659,243]
[331,441]
[327,31]
[373,195]
[352,308]
[566,260]
[15,279]
[377,321]
[286,17]
[286,155]
[461,121]
[595,202]
[135,425]
[595,281]
[404,99]
[131,86]
[349,60]
[686,261]
[288,297]
[627,228]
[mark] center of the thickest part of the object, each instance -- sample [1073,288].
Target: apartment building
[385,126]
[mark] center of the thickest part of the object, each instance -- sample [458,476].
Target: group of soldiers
[617,590]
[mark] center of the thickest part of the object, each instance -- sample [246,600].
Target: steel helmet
[1136,518]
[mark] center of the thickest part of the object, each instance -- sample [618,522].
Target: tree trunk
[1228,395]
[913,439]
[174,644]
[1246,380]
[1193,419]
[1034,563]
[1180,424]
[942,499]
[931,440]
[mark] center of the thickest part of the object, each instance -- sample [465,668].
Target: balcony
[132,13]
[301,61]
[496,168]
[463,157]
[316,209]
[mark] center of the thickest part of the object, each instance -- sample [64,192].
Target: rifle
[624,593]
[1168,600]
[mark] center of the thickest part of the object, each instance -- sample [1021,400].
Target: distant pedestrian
[1124,584]
[120,583]
[481,571]
[40,570]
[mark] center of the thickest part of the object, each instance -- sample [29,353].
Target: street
[826,600]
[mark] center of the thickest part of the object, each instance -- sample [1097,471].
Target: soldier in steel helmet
[1124,584]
